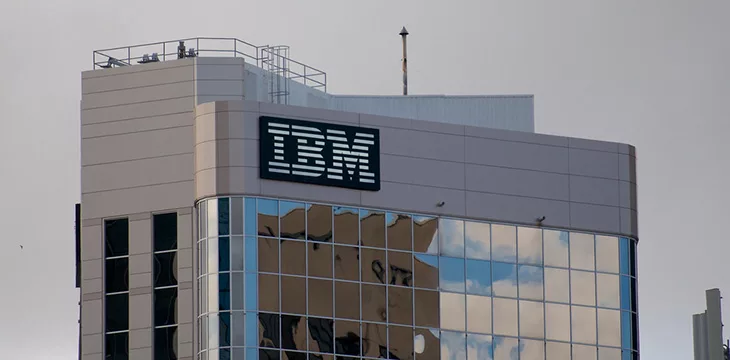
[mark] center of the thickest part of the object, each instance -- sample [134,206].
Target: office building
[708,341]
[233,209]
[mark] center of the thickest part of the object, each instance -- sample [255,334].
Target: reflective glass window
[165,301]
[529,245]
[479,314]
[252,328]
[504,243]
[236,216]
[453,311]
[532,349]
[251,254]
[164,231]
[268,255]
[582,251]
[504,279]
[116,237]
[605,353]
[632,257]
[453,345]
[224,330]
[224,291]
[532,323]
[609,327]
[320,297]
[237,253]
[506,348]
[427,308]
[624,256]
[505,316]
[626,330]
[425,234]
[583,324]
[268,219]
[213,255]
[372,228]
[426,344]
[319,223]
[400,305]
[400,269]
[269,292]
[347,300]
[478,277]
[373,303]
[347,338]
[293,257]
[584,352]
[117,346]
[224,254]
[374,266]
[237,291]
[251,293]
[116,275]
[557,285]
[166,343]
[607,258]
[451,237]
[321,335]
[347,262]
[400,227]
[346,225]
[212,205]
[607,288]
[451,272]
[224,217]
[557,322]
[293,295]
[556,245]
[203,333]
[268,330]
[320,259]
[400,342]
[202,220]
[213,303]
[530,282]
[426,271]
[291,220]
[117,312]
[249,213]
[633,295]
[557,351]
[625,293]
[479,346]
[374,340]
[477,240]
[583,287]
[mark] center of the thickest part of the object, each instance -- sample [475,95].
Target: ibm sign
[319,153]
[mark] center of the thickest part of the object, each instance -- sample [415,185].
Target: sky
[652,73]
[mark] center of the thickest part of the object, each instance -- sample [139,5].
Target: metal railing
[261,56]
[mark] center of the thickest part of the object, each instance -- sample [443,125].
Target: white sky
[652,73]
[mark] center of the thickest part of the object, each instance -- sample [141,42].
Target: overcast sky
[652,73]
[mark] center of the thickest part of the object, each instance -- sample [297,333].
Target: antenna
[403,34]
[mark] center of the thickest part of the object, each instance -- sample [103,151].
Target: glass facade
[291,280]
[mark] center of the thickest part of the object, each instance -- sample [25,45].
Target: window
[164,230]
[116,288]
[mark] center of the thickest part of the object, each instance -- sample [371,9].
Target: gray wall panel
[92,286]
[507,181]
[421,144]
[588,144]
[92,269]
[91,244]
[140,338]
[406,196]
[627,168]
[517,209]
[308,192]
[141,316]
[421,171]
[136,111]
[140,237]
[304,113]
[141,354]
[594,163]
[148,144]
[594,190]
[91,344]
[141,78]
[128,201]
[91,317]
[627,195]
[135,173]
[517,155]
[184,118]
[594,217]
[153,93]
[140,263]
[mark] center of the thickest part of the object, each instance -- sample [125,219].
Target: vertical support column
[714,325]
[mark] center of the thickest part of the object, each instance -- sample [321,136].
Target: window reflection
[584,352]
[268,255]
[557,351]
[477,240]
[453,345]
[532,349]
[374,266]
[400,305]
[252,330]
[399,231]
[346,225]
[479,314]
[426,344]
[532,322]
[453,315]
[557,285]
[451,237]
[269,292]
[373,303]
[556,248]
[319,223]
[291,219]
[505,316]
[530,282]
[347,262]
[372,228]
[238,326]
[504,243]
[427,308]
[608,290]
[268,219]
[583,324]
[224,291]
[581,251]
[401,342]
[293,295]
[293,257]
[609,327]
[557,322]
[165,343]
[293,332]
[504,279]
[237,253]
[212,222]
[374,340]
[451,274]
[506,348]
[582,287]
[224,215]
[609,354]
[400,269]
[607,258]
[320,259]
[425,234]
[529,245]
[237,291]
[320,297]
[479,346]
[347,337]
[236,216]
[347,300]
[426,271]
[321,333]
[478,277]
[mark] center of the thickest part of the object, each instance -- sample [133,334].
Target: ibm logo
[319,153]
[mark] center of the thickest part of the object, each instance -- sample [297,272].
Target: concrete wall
[480,173]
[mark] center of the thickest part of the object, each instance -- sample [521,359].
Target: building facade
[217,227]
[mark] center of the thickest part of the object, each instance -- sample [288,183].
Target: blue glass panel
[224,292]
[626,330]
[626,355]
[249,216]
[451,274]
[225,329]
[267,222]
[251,254]
[624,256]
[252,354]
[225,354]
[224,254]
[478,277]
[625,293]
[451,237]
[252,332]
[632,258]
[453,345]
[251,292]
[506,348]
[224,216]
[530,282]
[504,279]
[480,345]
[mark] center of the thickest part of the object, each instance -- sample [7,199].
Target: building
[707,329]
[232,209]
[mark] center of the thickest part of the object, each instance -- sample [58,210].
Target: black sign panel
[319,153]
